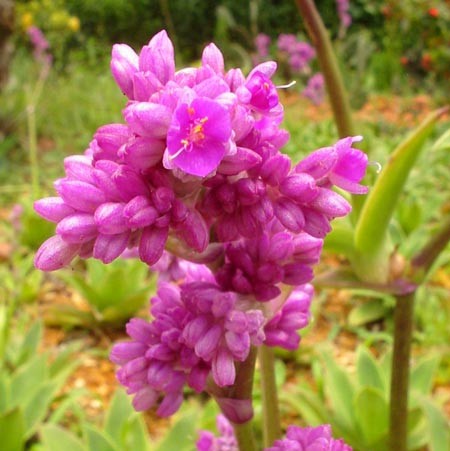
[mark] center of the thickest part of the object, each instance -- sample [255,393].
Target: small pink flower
[198,136]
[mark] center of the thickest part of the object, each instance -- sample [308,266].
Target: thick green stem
[329,66]
[333,79]
[236,401]
[245,437]
[271,412]
[403,329]
[403,325]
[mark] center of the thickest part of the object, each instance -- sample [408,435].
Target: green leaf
[340,391]
[12,430]
[98,440]
[372,414]
[367,312]
[340,239]
[372,227]
[30,343]
[417,429]
[438,426]
[368,370]
[27,380]
[124,425]
[55,438]
[308,404]
[37,407]
[182,435]
[421,379]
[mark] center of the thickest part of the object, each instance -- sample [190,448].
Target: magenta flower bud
[223,369]
[330,204]
[318,163]
[53,209]
[122,352]
[194,231]
[145,399]
[145,84]
[111,137]
[275,169]
[77,228]
[143,153]
[213,58]
[124,64]
[235,78]
[158,57]
[110,219]
[81,196]
[54,254]
[297,274]
[79,167]
[267,68]
[162,199]
[236,410]
[129,183]
[316,224]
[109,247]
[213,88]
[300,187]
[350,167]
[148,119]
[208,343]
[152,243]
[170,404]
[289,214]
[263,93]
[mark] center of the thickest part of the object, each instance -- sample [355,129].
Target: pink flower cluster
[297,439]
[198,329]
[196,169]
[315,89]
[298,53]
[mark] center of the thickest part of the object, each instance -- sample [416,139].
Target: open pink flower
[198,136]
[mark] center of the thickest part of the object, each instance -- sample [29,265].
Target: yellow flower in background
[26,20]
[73,23]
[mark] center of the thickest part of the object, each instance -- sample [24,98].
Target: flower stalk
[329,66]
[403,330]
[271,412]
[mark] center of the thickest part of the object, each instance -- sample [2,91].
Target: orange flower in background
[433,12]
[426,61]
[404,60]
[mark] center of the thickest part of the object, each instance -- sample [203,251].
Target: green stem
[425,258]
[245,437]
[333,79]
[403,328]
[271,412]
[398,419]
[329,66]
[235,401]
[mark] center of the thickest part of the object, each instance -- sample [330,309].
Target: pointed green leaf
[340,391]
[306,403]
[55,438]
[421,379]
[372,226]
[27,380]
[367,312]
[37,407]
[12,431]
[438,426]
[183,434]
[372,414]
[30,343]
[98,440]
[124,425]
[368,370]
